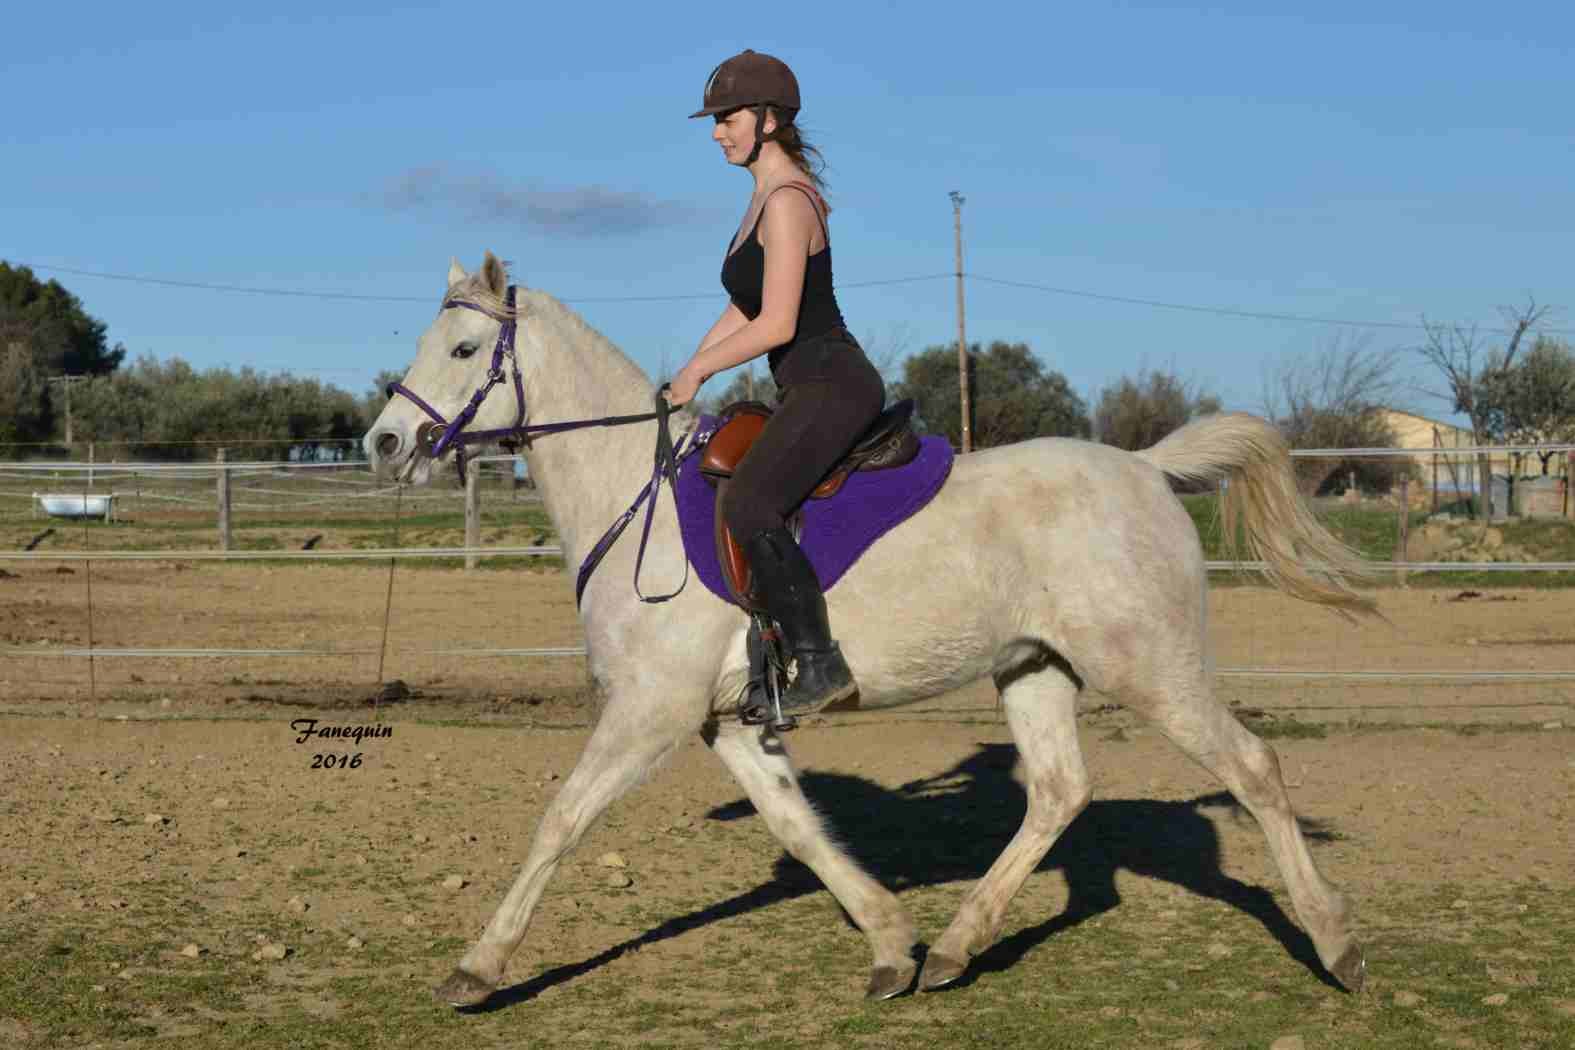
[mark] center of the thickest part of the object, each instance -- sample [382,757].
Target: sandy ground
[206,824]
[341,609]
[99,812]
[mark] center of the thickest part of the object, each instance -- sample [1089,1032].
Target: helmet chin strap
[760,138]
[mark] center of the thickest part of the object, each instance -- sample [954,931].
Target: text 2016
[337,761]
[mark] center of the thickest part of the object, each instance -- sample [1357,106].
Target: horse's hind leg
[1041,709]
[1191,717]
[631,738]
[763,769]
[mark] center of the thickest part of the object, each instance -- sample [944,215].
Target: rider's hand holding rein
[786,228]
[683,387]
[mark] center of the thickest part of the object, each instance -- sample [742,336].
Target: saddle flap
[730,557]
[734,563]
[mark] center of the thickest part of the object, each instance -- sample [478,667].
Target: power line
[1218,310]
[209,287]
[297,293]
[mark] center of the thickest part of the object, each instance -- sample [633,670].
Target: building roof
[1424,419]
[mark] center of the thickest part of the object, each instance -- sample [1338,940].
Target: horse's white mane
[571,326]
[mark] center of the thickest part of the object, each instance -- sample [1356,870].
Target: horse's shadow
[952,826]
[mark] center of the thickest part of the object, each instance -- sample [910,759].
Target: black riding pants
[828,395]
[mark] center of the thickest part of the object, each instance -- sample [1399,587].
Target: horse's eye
[464,350]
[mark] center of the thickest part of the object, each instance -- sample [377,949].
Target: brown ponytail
[806,157]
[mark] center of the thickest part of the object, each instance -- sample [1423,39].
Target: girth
[888,442]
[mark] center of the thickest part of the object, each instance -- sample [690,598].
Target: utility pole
[962,331]
[67,381]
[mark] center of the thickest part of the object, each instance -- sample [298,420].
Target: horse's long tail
[1260,499]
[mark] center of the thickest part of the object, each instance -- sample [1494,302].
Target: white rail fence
[224,476]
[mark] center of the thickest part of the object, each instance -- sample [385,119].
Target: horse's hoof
[463,989]
[1350,969]
[889,981]
[939,971]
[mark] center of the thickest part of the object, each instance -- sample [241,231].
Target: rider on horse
[777,273]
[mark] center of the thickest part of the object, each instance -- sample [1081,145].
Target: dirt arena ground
[340,607]
[174,871]
[149,865]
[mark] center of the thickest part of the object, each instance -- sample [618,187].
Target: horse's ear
[494,276]
[456,272]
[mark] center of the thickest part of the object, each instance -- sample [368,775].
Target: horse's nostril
[387,444]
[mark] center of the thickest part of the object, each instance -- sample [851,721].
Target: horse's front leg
[760,764]
[633,735]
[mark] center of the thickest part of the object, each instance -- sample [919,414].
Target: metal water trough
[77,505]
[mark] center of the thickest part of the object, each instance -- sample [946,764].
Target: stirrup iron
[762,702]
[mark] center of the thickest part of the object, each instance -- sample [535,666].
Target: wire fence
[272,487]
[283,515]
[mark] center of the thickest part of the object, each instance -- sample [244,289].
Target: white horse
[1053,565]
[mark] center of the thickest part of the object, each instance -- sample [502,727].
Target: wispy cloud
[580,211]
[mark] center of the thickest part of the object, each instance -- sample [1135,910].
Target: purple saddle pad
[836,530]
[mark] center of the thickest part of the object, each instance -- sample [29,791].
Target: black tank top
[744,278]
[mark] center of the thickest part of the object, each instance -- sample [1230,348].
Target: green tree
[168,410]
[119,408]
[1137,413]
[44,333]
[1533,400]
[1014,396]
[1472,371]
[24,400]
[51,322]
[377,397]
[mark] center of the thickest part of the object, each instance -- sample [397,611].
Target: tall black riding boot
[789,589]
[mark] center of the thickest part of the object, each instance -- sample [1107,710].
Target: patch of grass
[1540,540]
[503,521]
[1490,581]
[1369,530]
[1288,729]
[1463,728]
[1214,975]
[1546,539]
[1372,532]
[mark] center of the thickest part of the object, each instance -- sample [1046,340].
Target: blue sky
[1334,160]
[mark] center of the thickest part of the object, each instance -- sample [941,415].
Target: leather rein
[439,435]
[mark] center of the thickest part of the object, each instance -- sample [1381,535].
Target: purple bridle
[437,437]
[440,434]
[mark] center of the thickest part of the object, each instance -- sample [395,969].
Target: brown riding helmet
[750,78]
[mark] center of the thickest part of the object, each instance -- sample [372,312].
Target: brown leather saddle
[888,442]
